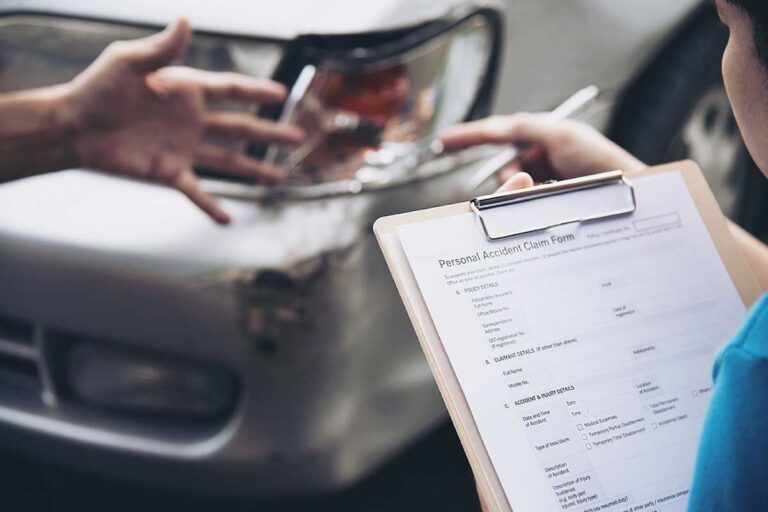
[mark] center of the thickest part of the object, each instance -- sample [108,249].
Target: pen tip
[437,147]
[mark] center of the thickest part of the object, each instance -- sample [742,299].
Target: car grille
[33,380]
[19,362]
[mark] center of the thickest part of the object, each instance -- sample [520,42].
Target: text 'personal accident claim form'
[584,351]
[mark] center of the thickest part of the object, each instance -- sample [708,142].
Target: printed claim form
[584,351]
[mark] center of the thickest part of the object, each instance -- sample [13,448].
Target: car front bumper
[293,301]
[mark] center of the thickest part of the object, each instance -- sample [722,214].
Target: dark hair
[757,10]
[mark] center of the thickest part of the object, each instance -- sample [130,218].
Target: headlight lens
[364,116]
[45,50]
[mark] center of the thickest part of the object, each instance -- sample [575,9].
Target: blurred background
[270,366]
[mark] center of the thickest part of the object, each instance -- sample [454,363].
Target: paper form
[584,351]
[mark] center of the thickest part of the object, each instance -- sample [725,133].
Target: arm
[567,149]
[37,133]
[129,113]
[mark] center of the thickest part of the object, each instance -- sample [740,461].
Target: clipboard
[489,485]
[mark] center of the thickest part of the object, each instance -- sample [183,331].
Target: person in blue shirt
[731,471]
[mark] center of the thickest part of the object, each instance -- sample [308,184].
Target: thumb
[519,180]
[509,171]
[160,49]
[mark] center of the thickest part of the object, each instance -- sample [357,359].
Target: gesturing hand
[135,117]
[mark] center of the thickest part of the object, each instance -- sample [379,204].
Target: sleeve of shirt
[732,465]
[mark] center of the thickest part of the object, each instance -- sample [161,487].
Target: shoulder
[730,468]
[751,341]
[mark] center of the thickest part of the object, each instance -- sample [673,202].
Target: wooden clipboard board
[489,485]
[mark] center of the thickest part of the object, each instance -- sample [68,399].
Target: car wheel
[678,108]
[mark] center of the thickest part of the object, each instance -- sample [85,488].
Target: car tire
[677,108]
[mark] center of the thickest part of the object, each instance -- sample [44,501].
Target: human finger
[236,163]
[518,181]
[508,172]
[225,85]
[519,128]
[532,159]
[160,49]
[241,126]
[483,506]
[188,184]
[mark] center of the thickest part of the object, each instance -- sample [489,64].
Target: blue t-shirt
[732,464]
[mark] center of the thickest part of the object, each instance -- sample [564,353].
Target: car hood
[285,19]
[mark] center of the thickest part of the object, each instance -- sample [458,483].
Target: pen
[568,108]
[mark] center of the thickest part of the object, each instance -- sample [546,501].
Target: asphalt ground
[431,475]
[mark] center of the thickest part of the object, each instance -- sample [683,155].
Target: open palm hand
[136,117]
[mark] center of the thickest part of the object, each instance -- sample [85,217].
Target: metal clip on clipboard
[611,195]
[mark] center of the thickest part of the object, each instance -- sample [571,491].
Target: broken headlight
[372,113]
[370,102]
